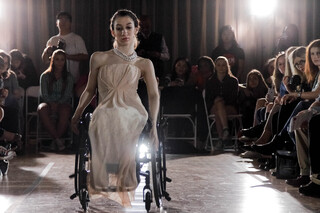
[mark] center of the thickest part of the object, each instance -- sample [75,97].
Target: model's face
[281,64]
[299,63]
[181,68]
[124,31]
[58,61]
[221,67]
[253,81]
[315,56]
[205,69]
[63,23]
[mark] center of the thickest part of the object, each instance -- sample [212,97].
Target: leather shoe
[253,132]
[299,181]
[310,189]
[247,148]
[267,149]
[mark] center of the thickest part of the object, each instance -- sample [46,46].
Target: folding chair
[236,124]
[31,97]
[179,104]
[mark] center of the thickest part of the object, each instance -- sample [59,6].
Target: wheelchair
[157,159]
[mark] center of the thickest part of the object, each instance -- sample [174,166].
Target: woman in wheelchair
[120,116]
[56,87]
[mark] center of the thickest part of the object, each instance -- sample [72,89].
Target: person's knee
[43,107]
[1,113]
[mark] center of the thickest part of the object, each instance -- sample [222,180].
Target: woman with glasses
[312,67]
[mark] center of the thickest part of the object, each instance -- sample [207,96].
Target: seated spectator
[202,72]
[199,77]
[313,187]
[255,88]
[221,98]
[23,66]
[273,107]
[312,75]
[180,72]
[302,133]
[10,97]
[56,85]
[267,71]
[6,149]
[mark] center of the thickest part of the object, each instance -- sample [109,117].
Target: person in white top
[72,43]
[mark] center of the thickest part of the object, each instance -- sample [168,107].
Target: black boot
[276,143]
[253,132]
[311,189]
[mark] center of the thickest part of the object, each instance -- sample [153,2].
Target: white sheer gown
[114,131]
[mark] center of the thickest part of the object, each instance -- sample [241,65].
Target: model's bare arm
[90,90]
[153,97]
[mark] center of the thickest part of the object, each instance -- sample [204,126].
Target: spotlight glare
[262,8]
[143,150]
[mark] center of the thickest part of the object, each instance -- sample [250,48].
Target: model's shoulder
[143,61]
[101,54]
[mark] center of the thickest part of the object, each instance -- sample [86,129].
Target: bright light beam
[3,8]
[262,8]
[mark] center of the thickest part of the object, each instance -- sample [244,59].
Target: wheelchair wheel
[82,167]
[83,170]
[162,160]
[84,156]
[148,201]
[156,167]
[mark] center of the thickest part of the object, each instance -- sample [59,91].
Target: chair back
[33,91]
[179,100]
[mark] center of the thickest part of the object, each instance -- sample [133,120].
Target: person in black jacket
[221,98]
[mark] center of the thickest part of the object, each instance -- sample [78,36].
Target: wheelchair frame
[156,158]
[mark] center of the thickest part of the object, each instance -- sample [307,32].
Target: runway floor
[200,184]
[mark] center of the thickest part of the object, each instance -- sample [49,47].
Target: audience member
[313,187]
[152,45]
[56,85]
[307,98]
[199,76]
[221,98]
[72,44]
[301,135]
[255,88]
[288,38]
[23,67]
[267,71]
[10,82]
[180,72]
[202,72]
[10,97]
[229,48]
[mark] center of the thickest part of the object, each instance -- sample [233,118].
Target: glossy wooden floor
[200,184]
